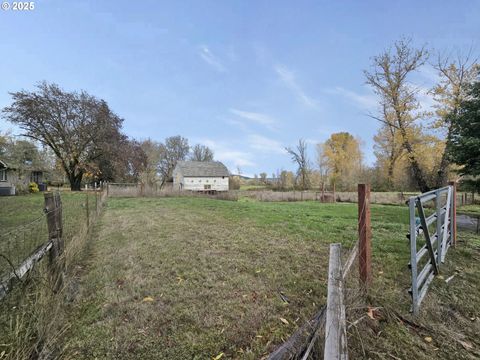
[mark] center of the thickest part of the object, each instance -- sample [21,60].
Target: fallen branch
[300,339]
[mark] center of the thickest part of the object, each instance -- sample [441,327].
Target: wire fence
[32,261]
[352,300]
[313,339]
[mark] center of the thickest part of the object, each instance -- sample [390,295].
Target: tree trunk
[441,179]
[417,171]
[75,181]
[391,166]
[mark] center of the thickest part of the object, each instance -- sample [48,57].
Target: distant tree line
[415,148]
[82,137]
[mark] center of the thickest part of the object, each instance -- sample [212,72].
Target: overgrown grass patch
[178,278]
[32,316]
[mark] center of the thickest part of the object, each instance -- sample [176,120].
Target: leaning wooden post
[364,235]
[334,198]
[53,210]
[335,323]
[454,212]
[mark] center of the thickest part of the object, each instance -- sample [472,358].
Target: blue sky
[243,77]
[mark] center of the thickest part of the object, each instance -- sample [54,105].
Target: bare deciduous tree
[201,153]
[174,150]
[390,80]
[388,146]
[299,156]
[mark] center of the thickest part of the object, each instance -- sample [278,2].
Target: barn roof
[202,168]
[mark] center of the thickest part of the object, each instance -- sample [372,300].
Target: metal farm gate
[432,232]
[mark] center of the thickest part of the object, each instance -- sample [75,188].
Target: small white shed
[200,176]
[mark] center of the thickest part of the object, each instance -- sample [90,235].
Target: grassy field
[32,316]
[192,278]
[469,209]
[23,223]
[253,187]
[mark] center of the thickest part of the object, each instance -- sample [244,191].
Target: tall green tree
[464,149]
[451,90]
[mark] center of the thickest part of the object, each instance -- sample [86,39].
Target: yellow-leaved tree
[341,160]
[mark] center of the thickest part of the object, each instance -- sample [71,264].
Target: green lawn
[469,209]
[192,278]
[253,187]
[23,225]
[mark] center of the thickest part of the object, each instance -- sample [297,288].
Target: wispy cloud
[288,77]
[237,123]
[366,101]
[429,74]
[259,118]
[231,157]
[425,98]
[212,60]
[264,144]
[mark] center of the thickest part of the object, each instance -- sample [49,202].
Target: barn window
[35,176]
[206,181]
[207,187]
[3,175]
[215,180]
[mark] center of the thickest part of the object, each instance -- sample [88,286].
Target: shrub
[33,187]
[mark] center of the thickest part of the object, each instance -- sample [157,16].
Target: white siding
[198,183]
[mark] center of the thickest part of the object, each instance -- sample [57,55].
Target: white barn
[200,176]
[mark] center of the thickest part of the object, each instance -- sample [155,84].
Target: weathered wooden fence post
[454,213]
[334,198]
[53,210]
[364,235]
[335,324]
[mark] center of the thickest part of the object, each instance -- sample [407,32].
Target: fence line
[20,261]
[324,196]
[300,345]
